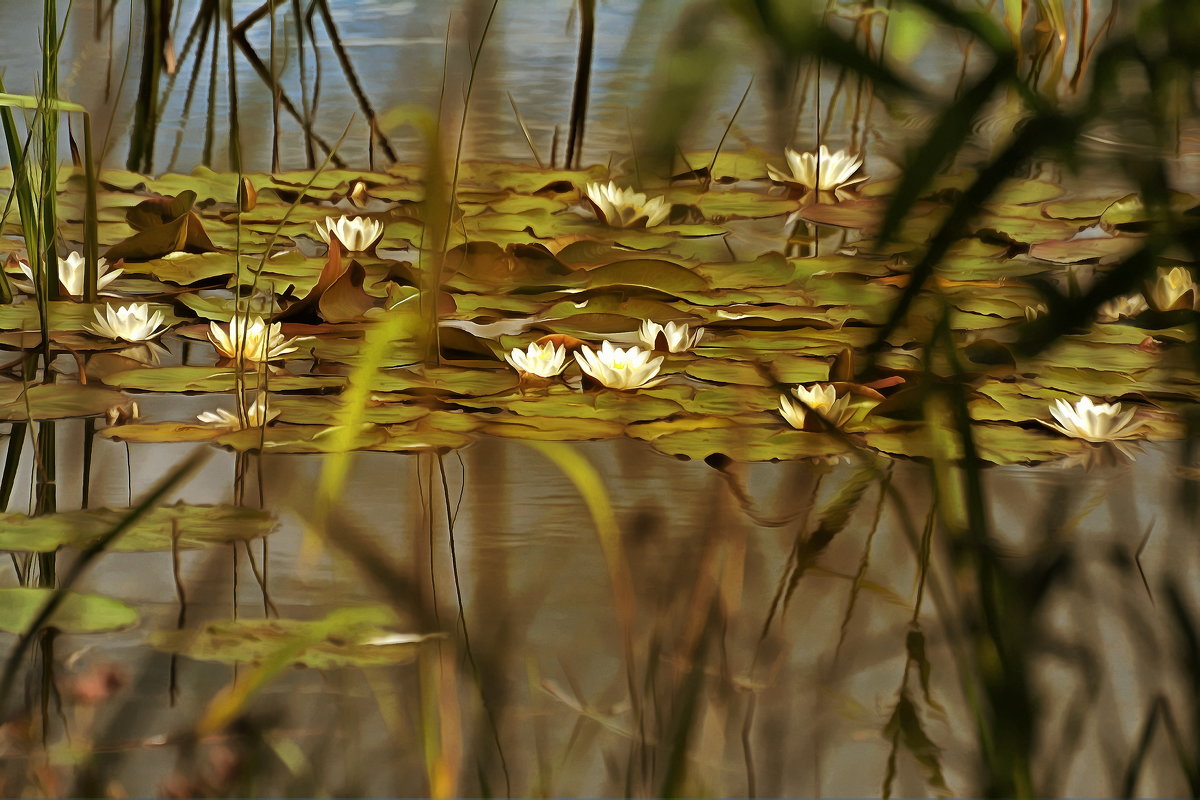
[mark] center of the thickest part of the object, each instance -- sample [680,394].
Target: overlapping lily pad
[787,289]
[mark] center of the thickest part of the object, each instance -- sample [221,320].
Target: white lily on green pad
[356,234]
[625,208]
[822,399]
[542,360]
[672,337]
[1092,421]
[251,340]
[71,275]
[620,368]
[823,171]
[131,323]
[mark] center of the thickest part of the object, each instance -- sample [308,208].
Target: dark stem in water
[583,74]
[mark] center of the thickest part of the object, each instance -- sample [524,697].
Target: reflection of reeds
[84,560]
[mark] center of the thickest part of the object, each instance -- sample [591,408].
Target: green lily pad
[77,613]
[55,401]
[214,379]
[997,444]
[303,439]
[551,429]
[161,432]
[770,269]
[561,403]
[787,368]
[662,276]
[188,268]
[320,410]
[747,443]
[445,380]
[1077,209]
[1074,251]
[196,526]
[1130,214]
[359,637]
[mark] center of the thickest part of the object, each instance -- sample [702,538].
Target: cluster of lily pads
[721,315]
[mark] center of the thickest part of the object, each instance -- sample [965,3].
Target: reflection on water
[398,50]
[792,693]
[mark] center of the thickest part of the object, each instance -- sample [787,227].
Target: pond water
[524,587]
[800,711]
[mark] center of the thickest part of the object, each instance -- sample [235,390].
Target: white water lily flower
[674,337]
[617,368]
[1121,308]
[355,233]
[257,415]
[1173,290]
[822,399]
[132,323]
[822,170]
[254,342]
[72,271]
[1095,422]
[625,208]
[543,360]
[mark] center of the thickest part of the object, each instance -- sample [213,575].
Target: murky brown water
[813,695]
